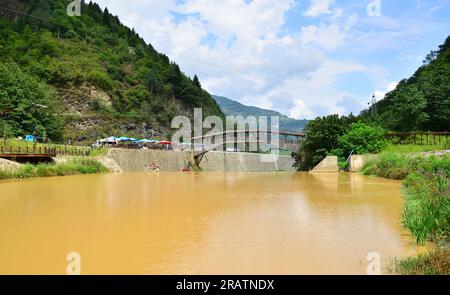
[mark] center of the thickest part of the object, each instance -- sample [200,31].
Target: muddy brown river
[201,223]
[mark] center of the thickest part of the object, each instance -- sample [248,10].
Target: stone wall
[245,162]
[147,160]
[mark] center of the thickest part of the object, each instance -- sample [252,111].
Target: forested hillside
[421,102]
[80,78]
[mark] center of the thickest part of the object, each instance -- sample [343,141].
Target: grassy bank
[414,148]
[435,263]
[426,211]
[71,167]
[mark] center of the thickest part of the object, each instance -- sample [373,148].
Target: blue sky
[304,58]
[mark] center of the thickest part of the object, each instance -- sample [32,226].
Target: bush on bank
[71,167]
[427,193]
[426,212]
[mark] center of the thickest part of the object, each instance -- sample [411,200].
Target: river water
[201,223]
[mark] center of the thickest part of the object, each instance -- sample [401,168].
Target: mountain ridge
[234,108]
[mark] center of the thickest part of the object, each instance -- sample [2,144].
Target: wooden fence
[420,138]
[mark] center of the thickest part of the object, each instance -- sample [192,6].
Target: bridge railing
[19,150]
[293,134]
[40,151]
[222,139]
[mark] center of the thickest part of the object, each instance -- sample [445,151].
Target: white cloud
[327,36]
[250,60]
[319,7]
[379,94]
[300,110]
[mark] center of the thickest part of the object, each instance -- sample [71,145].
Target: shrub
[361,138]
[427,191]
[427,207]
[100,79]
[71,167]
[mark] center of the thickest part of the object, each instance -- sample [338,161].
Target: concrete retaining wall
[145,160]
[357,162]
[246,162]
[329,164]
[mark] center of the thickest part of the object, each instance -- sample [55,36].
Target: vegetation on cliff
[83,77]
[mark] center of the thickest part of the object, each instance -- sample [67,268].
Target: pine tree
[197,82]
[107,17]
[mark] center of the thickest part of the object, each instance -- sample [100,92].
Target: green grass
[426,211]
[427,191]
[413,148]
[98,152]
[427,202]
[391,165]
[71,167]
[434,263]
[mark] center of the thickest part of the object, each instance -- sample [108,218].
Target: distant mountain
[233,108]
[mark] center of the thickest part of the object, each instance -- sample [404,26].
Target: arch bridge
[289,141]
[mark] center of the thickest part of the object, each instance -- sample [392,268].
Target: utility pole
[373,105]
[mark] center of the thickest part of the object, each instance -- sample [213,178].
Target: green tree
[106,17]
[407,109]
[6,131]
[197,82]
[421,102]
[67,56]
[361,138]
[322,136]
[26,103]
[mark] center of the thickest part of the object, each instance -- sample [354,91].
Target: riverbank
[70,167]
[426,211]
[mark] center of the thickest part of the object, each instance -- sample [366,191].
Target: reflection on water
[205,223]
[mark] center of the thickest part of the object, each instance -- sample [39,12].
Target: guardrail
[18,151]
[420,138]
